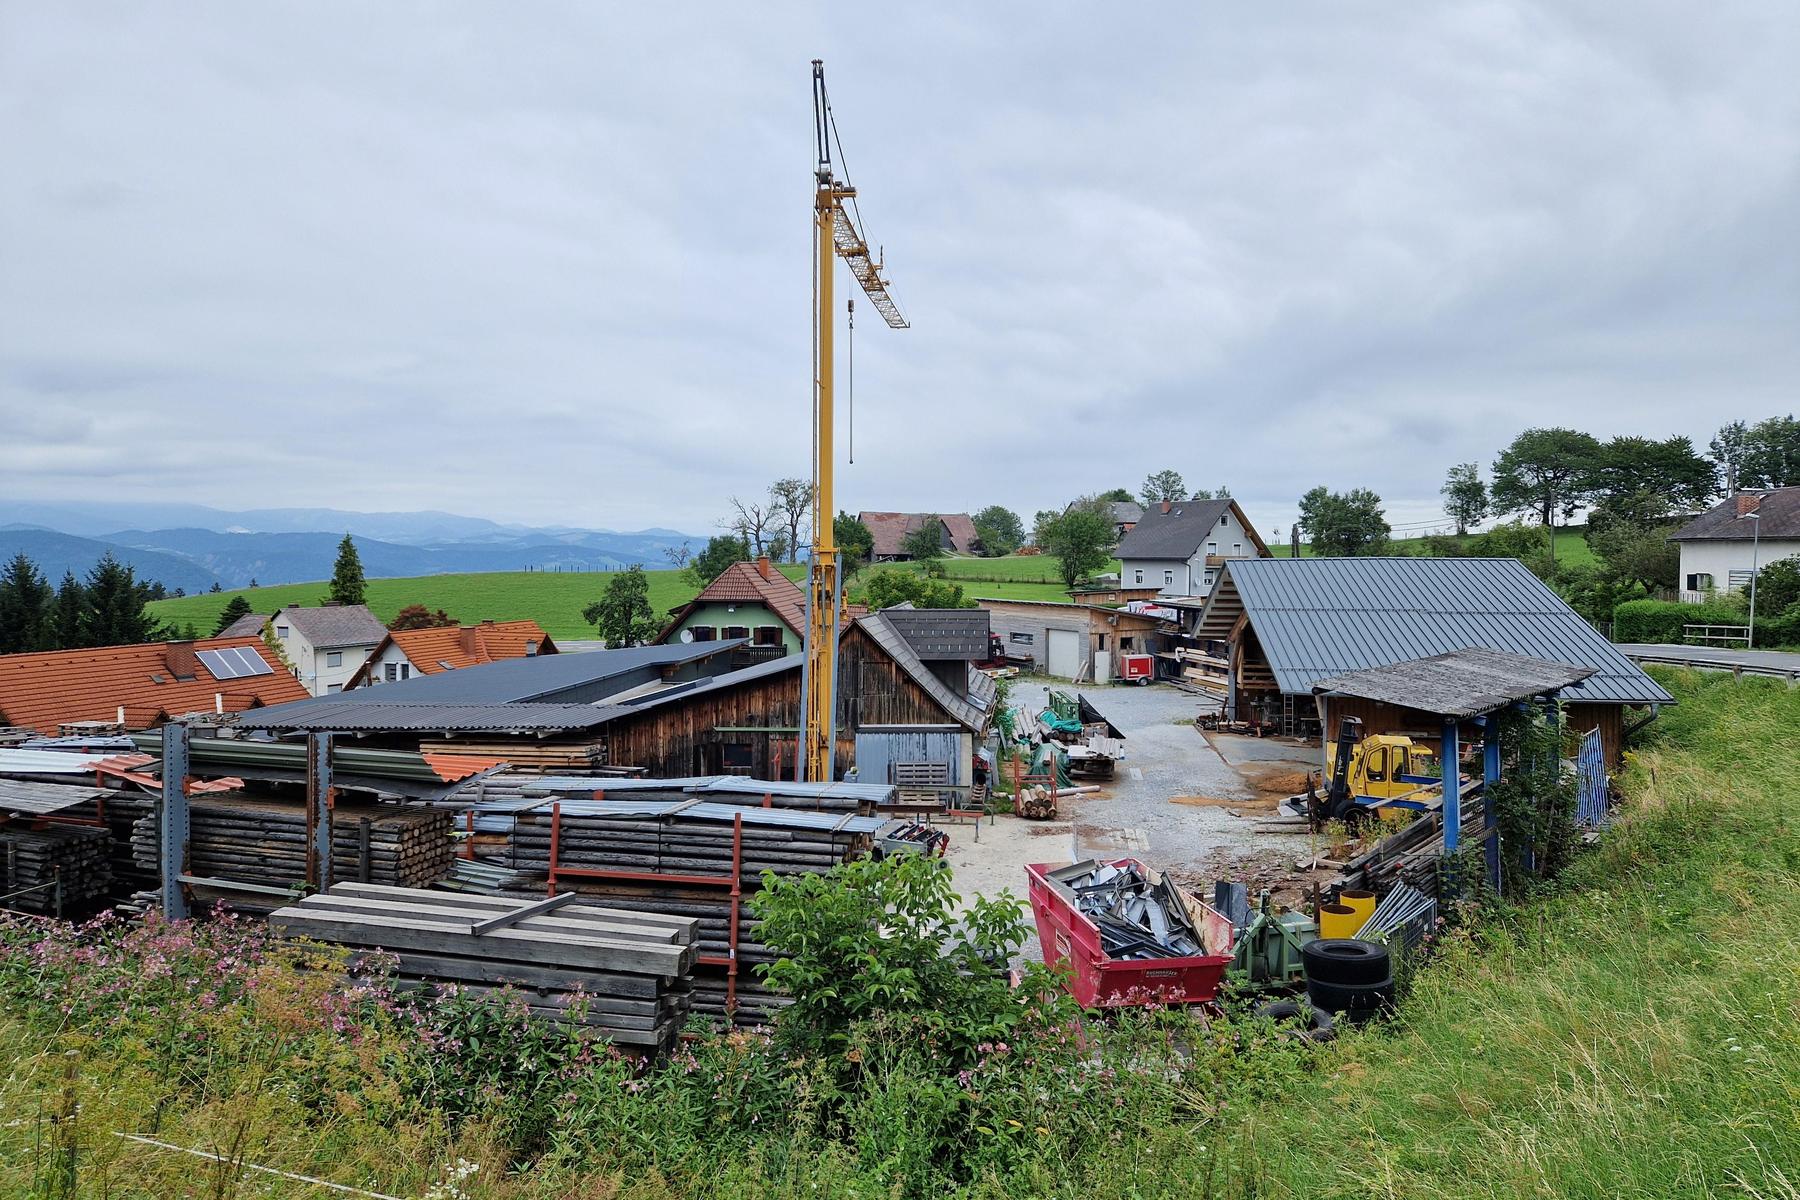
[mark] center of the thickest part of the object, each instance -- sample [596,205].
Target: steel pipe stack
[235,837]
[33,862]
[623,973]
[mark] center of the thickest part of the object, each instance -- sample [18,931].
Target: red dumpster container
[1102,982]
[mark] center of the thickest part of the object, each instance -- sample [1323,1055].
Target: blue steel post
[172,820]
[318,810]
[1452,790]
[806,683]
[1490,775]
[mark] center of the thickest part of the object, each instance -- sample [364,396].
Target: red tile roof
[153,682]
[745,583]
[466,646]
[889,530]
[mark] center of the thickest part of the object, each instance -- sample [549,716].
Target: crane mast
[835,235]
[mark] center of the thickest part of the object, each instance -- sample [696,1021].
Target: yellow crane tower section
[836,235]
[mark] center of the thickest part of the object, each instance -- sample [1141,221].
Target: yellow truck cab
[1387,765]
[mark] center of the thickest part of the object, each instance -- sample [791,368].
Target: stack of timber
[534,755]
[695,859]
[1412,854]
[263,841]
[724,789]
[1200,669]
[52,869]
[118,812]
[622,973]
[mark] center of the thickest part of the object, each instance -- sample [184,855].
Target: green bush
[1661,620]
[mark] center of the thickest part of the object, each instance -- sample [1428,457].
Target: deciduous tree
[999,530]
[622,615]
[751,521]
[855,544]
[793,499]
[1163,485]
[1081,538]
[1547,472]
[1465,496]
[720,553]
[1772,454]
[888,587]
[1344,524]
[925,542]
[1649,480]
[1727,452]
[417,616]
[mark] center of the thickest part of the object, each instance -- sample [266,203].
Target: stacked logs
[119,812]
[235,837]
[623,973]
[683,855]
[53,869]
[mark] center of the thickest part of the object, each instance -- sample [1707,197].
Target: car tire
[1346,961]
[1318,1025]
[1354,1000]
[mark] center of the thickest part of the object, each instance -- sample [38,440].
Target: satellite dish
[687,635]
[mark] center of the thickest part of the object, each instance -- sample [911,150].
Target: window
[1700,581]
[1137,575]
[1125,645]
[1021,639]
[1737,581]
[1212,548]
[1168,578]
[737,758]
[734,631]
[392,671]
[1209,579]
[1222,521]
[334,658]
[1102,645]
[767,635]
[1378,767]
[334,687]
[281,631]
[406,670]
[704,633]
[1237,547]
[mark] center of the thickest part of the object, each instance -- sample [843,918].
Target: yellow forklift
[1370,773]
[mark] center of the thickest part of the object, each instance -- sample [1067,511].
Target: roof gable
[1180,532]
[745,583]
[334,624]
[456,648]
[889,530]
[1320,617]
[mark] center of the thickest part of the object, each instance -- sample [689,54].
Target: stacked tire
[1348,977]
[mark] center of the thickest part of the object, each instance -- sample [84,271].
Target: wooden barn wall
[679,738]
[1609,719]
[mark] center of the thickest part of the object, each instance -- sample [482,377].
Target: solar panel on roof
[234,662]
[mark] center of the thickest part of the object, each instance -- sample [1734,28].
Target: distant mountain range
[199,546]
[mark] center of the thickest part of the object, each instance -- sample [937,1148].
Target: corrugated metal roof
[874,793]
[21,796]
[1463,683]
[1320,617]
[377,716]
[49,762]
[700,810]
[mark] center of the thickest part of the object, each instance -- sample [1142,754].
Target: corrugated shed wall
[878,751]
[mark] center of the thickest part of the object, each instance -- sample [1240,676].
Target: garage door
[1064,653]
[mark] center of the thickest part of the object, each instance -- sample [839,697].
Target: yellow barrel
[1338,921]
[1360,903]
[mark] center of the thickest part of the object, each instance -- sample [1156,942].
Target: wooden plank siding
[690,736]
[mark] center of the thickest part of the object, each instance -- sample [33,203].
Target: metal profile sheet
[703,810]
[380,716]
[41,799]
[1320,617]
[49,762]
[727,785]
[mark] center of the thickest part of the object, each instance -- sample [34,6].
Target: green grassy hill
[1571,547]
[555,599]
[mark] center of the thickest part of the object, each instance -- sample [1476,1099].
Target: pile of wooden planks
[536,755]
[690,858]
[1200,669]
[623,973]
[54,868]
[263,841]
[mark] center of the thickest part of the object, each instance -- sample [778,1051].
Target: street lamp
[1755,535]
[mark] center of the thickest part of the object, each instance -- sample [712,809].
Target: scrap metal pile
[1136,918]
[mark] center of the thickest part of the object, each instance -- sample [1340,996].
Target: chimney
[762,565]
[1748,502]
[467,635]
[179,658]
[293,606]
[219,702]
[1165,506]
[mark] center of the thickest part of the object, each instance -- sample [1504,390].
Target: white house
[325,646]
[1719,546]
[1176,547]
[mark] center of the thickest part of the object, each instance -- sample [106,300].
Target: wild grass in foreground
[1631,1035]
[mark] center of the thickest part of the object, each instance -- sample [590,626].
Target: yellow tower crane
[835,235]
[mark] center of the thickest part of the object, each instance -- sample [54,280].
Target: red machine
[1137,668]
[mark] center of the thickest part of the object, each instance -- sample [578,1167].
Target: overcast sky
[550,262]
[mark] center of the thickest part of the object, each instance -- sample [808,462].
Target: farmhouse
[327,645]
[1074,641]
[750,601]
[1745,532]
[407,653]
[142,686]
[1124,515]
[1178,547]
[956,533]
[1289,623]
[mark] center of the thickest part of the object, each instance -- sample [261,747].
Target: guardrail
[1727,636]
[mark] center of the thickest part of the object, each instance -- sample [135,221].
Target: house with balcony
[1177,547]
[1740,534]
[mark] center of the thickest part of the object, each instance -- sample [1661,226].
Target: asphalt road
[1718,658]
